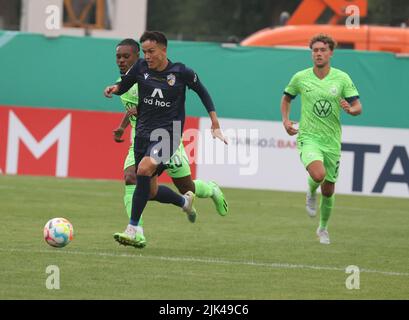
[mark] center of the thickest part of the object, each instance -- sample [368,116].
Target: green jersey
[130,100]
[320,105]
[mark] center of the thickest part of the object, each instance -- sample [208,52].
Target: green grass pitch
[265,249]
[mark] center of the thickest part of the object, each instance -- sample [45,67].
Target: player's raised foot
[219,200]
[323,235]
[131,237]
[311,204]
[188,207]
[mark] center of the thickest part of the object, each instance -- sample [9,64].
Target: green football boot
[125,239]
[220,202]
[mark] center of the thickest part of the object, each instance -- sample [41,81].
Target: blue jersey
[162,95]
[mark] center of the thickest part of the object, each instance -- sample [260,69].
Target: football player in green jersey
[178,168]
[325,91]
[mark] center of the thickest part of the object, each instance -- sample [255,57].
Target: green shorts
[310,151]
[177,167]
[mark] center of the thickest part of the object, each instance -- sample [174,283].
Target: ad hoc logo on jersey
[322,108]
[156,99]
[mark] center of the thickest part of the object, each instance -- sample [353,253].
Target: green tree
[388,12]
[212,20]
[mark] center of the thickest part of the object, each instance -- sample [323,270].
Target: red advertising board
[65,143]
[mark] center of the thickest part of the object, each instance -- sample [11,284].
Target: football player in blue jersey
[161,115]
[178,167]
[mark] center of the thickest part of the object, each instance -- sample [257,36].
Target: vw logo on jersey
[322,108]
[171,78]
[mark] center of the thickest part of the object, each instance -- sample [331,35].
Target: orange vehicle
[300,28]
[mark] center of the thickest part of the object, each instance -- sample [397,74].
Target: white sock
[131,230]
[186,202]
[139,230]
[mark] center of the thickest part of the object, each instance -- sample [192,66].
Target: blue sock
[140,198]
[167,195]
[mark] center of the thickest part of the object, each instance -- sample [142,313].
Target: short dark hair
[130,42]
[157,36]
[325,39]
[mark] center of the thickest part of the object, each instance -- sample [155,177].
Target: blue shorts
[161,151]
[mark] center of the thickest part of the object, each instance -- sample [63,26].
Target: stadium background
[54,90]
[55,122]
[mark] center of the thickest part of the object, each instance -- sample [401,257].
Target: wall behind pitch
[68,74]
[75,143]
[260,155]
[245,83]
[65,143]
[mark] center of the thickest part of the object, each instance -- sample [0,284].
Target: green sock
[129,190]
[313,185]
[202,189]
[326,205]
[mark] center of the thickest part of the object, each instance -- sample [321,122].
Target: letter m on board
[59,134]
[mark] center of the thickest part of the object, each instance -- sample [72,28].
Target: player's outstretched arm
[204,96]
[216,130]
[132,112]
[118,132]
[194,83]
[285,114]
[127,81]
[354,108]
[111,90]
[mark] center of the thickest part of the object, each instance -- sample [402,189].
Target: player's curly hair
[157,36]
[130,42]
[325,39]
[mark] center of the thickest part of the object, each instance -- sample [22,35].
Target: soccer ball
[58,232]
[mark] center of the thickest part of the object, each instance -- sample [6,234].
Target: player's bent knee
[146,167]
[184,186]
[327,189]
[183,189]
[153,193]
[317,171]
[145,171]
[327,193]
[318,177]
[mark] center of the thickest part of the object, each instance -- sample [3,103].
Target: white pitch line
[274,265]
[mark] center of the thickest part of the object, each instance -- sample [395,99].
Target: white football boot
[323,235]
[311,203]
